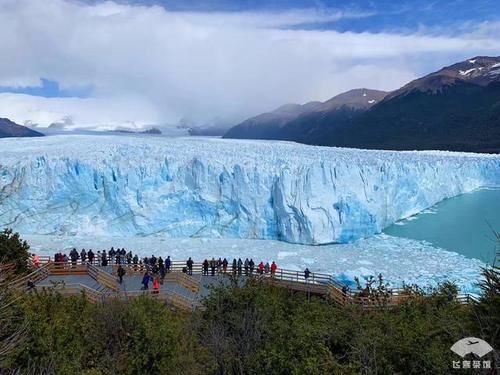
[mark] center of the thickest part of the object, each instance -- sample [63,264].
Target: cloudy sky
[147,62]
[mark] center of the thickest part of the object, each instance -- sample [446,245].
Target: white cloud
[102,113]
[168,65]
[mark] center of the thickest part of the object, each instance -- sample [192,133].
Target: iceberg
[128,186]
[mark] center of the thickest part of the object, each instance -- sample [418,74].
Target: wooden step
[67,272]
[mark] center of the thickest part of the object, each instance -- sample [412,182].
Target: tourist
[189,265]
[205,267]
[274,267]
[121,272]
[307,273]
[145,281]
[104,258]
[219,265]
[74,257]
[156,285]
[162,271]
[234,266]
[168,264]
[252,265]
[129,258]
[65,259]
[112,253]
[260,268]
[30,285]
[36,260]
[212,266]
[154,269]
[83,255]
[224,265]
[267,267]
[91,255]
[240,266]
[135,261]
[153,260]
[246,266]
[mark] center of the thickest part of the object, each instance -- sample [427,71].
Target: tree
[487,310]
[14,250]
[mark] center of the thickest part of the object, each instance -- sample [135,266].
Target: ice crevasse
[188,187]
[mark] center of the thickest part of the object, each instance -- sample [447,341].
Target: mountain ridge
[9,129]
[456,108]
[268,125]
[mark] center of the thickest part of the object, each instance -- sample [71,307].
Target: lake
[463,224]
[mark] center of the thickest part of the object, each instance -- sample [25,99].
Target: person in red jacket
[156,285]
[260,268]
[274,267]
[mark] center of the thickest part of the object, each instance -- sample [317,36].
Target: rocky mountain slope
[11,129]
[456,108]
[275,124]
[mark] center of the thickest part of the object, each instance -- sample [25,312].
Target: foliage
[14,250]
[263,329]
[255,328]
[487,311]
[73,336]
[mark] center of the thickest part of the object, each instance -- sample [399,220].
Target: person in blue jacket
[145,281]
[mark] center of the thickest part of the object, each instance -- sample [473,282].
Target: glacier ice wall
[185,187]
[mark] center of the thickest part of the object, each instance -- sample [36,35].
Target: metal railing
[319,283]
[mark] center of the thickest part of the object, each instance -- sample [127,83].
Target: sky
[106,64]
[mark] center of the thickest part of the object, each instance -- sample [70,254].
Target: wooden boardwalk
[185,291]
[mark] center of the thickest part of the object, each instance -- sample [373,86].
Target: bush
[14,250]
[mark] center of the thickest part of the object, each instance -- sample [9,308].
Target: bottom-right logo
[472,346]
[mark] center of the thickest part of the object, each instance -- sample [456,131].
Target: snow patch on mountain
[465,72]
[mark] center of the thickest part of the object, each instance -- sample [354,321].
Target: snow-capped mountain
[456,108]
[189,187]
[480,70]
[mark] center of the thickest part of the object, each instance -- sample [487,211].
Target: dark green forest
[253,329]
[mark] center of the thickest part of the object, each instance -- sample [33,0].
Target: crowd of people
[156,268]
[102,258]
[239,267]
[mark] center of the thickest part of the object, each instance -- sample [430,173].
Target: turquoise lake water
[463,224]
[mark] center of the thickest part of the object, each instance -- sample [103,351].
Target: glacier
[213,188]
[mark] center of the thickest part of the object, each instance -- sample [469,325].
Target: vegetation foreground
[255,329]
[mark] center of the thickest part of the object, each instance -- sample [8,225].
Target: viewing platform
[184,289]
